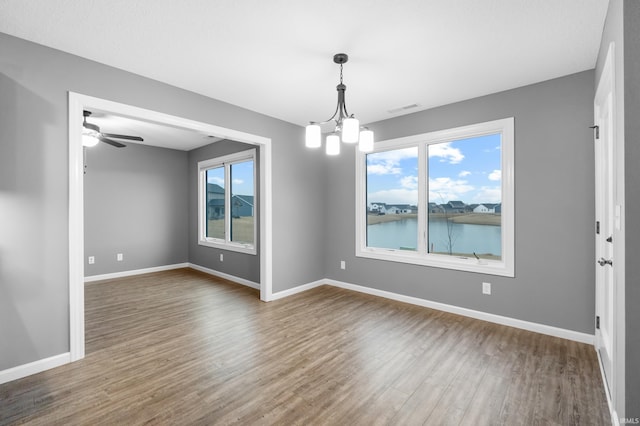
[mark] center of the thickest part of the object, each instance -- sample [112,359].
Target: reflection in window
[215,203]
[392,199]
[242,203]
[465,197]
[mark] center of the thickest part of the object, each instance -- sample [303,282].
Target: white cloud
[238,181]
[386,168]
[464,173]
[446,152]
[487,194]
[216,180]
[495,175]
[388,162]
[393,156]
[444,189]
[409,182]
[394,196]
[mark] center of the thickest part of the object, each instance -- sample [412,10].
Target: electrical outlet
[119,257]
[343,264]
[92,260]
[486,288]
[221,257]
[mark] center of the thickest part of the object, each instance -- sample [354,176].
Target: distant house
[242,205]
[485,208]
[435,208]
[215,201]
[399,209]
[498,208]
[378,208]
[455,207]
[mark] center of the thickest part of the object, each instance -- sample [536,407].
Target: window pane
[242,203]
[465,196]
[215,203]
[392,199]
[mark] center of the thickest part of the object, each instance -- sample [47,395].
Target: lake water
[467,238]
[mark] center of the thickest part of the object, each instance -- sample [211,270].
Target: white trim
[133,272]
[229,277]
[34,367]
[484,316]
[76,228]
[421,256]
[265,184]
[79,102]
[615,419]
[295,290]
[608,81]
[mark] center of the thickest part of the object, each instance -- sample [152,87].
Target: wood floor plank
[182,347]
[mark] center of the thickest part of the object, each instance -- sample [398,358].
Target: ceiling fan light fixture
[347,126]
[90,137]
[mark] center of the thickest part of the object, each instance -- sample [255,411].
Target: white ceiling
[275,57]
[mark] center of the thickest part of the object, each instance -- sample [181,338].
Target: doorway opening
[77,104]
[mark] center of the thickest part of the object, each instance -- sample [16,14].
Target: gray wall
[554,281]
[135,203]
[241,265]
[34,231]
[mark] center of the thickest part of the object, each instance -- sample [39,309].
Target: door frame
[615,391]
[77,103]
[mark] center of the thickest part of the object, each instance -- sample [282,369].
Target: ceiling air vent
[403,108]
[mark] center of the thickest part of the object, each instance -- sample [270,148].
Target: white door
[606,219]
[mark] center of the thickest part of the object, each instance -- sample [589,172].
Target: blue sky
[241,175]
[465,169]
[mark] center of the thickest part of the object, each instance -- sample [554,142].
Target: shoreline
[493,219]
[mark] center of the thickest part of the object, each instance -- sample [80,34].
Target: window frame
[225,161]
[503,267]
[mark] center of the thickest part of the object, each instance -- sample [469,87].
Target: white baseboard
[294,290]
[135,272]
[498,319]
[225,276]
[34,367]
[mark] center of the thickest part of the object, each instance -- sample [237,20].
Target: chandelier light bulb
[350,129]
[313,137]
[333,144]
[366,141]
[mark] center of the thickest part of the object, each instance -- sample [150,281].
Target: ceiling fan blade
[111,142]
[130,138]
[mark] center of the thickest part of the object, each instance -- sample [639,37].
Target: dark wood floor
[181,347]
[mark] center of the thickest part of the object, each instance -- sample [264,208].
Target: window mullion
[423,206]
[227,202]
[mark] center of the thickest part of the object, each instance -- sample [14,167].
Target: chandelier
[347,126]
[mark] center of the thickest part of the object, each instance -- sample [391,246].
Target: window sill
[240,248]
[465,264]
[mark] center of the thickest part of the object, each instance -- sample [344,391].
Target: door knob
[604,261]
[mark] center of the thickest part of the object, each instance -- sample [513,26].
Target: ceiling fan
[91,134]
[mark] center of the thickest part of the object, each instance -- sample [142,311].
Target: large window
[226,214]
[441,199]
